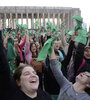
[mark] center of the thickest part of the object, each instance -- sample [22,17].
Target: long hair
[31,44]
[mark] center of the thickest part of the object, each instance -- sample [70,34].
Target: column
[32,26]
[10,20]
[53,19]
[58,21]
[13,23]
[48,16]
[0,20]
[8,23]
[43,20]
[16,17]
[27,18]
[21,18]
[68,21]
[38,18]
[40,21]
[4,20]
[63,17]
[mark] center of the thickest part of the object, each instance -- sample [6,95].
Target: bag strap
[83,62]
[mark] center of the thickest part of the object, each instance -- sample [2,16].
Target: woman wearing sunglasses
[69,91]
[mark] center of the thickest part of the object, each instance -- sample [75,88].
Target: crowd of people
[46,63]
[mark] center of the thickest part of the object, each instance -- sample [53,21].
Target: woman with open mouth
[23,85]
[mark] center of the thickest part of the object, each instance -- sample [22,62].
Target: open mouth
[33,81]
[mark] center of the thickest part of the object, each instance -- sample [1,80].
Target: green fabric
[12,68]
[82,33]
[70,32]
[13,34]
[59,65]
[63,25]
[59,34]
[79,21]
[78,18]
[66,31]
[5,32]
[18,26]
[54,29]
[82,36]
[22,27]
[47,49]
[55,97]
[11,40]
[11,54]
[22,34]
[26,26]
[30,33]
[48,24]
[37,25]
[88,33]
[42,27]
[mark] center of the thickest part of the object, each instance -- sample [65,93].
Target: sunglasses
[87,74]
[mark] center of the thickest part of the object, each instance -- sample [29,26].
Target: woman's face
[48,29]
[15,42]
[33,48]
[83,79]
[87,53]
[38,45]
[56,45]
[29,80]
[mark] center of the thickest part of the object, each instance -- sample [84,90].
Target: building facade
[9,15]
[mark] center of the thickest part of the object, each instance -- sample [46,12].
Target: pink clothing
[27,53]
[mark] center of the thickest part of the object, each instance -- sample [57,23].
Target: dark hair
[86,48]
[17,60]
[34,39]
[36,49]
[18,71]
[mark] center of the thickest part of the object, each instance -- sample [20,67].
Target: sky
[84,5]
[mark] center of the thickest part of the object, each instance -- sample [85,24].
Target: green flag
[82,36]
[47,49]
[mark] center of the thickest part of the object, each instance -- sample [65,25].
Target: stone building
[9,15]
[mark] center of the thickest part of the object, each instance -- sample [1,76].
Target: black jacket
[8,87]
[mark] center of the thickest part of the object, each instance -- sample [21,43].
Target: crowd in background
[34,47]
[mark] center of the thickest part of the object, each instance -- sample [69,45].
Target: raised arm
[67,58]
[23,42]
[4,67]
[5,40]
[64,42]
[62,81]
[27,52]
[78,57]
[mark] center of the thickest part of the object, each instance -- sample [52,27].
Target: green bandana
[47,49]
[79,22]
[82,36]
